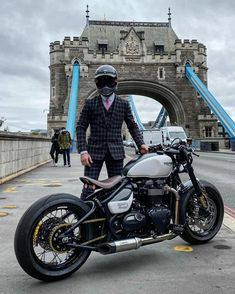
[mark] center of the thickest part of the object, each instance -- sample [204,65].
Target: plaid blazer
[106,128]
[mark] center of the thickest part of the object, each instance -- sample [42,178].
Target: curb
[218,152]
[229,222]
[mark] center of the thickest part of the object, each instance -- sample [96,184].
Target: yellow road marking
[183,248]
[10,206]
[39,182]
[9,190]
[3,213]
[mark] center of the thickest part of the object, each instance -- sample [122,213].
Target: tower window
[159,48]
[103,45]
[161,73]
[53,91]
[208,131]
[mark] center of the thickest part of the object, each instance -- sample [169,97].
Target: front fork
[198,190]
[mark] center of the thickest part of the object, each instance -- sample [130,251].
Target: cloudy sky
[28,26]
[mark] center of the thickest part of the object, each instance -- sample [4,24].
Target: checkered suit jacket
[105,128]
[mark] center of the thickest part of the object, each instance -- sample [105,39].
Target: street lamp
[2,119]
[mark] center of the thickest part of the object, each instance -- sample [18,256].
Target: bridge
[170,73]
[198,85]
[29,158]
[164,68]
[151,61]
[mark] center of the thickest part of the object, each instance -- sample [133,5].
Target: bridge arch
[170,101]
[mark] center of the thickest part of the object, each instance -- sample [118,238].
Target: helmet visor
[105,81]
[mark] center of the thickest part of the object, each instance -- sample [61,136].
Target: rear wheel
[38,248]
[200,225]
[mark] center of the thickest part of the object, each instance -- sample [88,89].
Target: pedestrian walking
[105,115]
[65,143]
[55,147]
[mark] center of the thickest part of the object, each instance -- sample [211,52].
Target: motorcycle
[148,204]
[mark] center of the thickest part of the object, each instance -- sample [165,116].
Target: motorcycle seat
[105,184]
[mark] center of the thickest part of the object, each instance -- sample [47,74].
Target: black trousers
[54,152]
[114,168]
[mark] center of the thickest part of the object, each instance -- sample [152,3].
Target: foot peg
[177,229]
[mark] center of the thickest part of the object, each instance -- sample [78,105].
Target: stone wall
[21,153]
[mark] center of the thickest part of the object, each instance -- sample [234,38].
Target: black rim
[47,250]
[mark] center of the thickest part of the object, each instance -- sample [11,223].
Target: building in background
[150,60]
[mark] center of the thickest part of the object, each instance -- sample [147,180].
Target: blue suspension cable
[212,103]
[135,113]
[72,111]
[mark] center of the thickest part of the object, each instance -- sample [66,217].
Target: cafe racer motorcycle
[147,204]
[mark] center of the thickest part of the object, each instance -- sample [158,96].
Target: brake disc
[43,231]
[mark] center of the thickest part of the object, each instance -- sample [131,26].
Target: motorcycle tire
[201,229]
[36,237]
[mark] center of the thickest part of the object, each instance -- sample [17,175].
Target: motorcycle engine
[133,221]
[160,217]
[158,210]
[150,210]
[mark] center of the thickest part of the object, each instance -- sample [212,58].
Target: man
[105,115]
[65,143]
[55,147]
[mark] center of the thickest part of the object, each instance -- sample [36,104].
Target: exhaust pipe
[130,244]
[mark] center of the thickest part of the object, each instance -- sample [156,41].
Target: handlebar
[180,148]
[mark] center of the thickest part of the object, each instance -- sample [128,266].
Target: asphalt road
[219,169]
[158,268]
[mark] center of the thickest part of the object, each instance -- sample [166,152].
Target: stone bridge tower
[150,60]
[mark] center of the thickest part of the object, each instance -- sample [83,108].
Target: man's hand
[86,159]
[144,149]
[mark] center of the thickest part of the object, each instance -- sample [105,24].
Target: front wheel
[37,247]
[200,225]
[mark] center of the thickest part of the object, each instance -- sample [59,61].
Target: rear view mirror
[189,141]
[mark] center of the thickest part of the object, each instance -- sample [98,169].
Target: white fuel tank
[150,166]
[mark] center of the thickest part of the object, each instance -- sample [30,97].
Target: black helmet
[106,79]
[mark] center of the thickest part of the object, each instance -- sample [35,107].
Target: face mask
[107,91]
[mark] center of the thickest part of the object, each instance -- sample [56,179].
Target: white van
[172,132]
[152,136]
